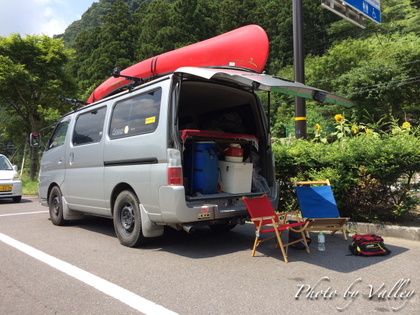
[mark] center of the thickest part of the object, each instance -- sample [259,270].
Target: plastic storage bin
[204,164]
[235,178]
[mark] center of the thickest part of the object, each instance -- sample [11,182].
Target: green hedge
[373,176]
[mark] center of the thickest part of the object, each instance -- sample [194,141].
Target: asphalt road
[82,269]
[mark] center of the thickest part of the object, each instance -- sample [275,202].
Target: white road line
[22,213]
[135,301]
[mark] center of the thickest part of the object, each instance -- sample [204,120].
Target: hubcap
[127,218]
[56,205]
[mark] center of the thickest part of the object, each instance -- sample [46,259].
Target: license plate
[6,187]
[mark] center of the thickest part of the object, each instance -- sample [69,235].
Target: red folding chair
[266,220]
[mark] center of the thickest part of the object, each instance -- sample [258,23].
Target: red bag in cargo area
[368,245]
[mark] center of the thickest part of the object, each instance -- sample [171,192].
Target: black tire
[127,219]
[220,228]
[55,204]
[17,199]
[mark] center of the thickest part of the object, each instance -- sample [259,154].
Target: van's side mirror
[34,139]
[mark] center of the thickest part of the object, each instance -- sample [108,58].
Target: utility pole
[300,106]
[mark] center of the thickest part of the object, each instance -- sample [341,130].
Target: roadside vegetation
[29,186]
[373,171]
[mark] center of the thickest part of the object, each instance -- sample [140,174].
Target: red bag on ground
[368,245]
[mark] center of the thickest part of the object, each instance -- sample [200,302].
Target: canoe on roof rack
[246,47]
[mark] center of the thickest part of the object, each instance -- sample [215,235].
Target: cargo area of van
[225,142]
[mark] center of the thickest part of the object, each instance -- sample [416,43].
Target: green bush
[372,174]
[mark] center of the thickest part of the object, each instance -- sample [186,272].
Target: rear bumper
[174,208]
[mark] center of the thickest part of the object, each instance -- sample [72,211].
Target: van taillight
[174,167]
[174,176]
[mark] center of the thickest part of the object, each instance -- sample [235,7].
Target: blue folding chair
[317,205]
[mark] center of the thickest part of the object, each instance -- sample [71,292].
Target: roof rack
[117,73]
[72,101]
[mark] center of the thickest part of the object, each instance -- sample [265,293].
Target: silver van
[155,155]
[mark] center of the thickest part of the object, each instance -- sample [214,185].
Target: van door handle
[71,158]
[60,161]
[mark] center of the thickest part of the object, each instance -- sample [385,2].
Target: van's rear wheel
[55,205]
[127,219]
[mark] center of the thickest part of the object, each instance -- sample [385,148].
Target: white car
[10,184]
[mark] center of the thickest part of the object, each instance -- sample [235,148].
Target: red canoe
[245,47]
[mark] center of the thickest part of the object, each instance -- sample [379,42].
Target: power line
[385,87]
[381,86]
[367,71]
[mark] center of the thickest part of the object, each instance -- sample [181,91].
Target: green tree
[380,75]
[234,14]
[278,23]
[92,19]
[415,3]
[194,21]
[78,66]
[116,44]
[377,68]
[31,79]
[155,33]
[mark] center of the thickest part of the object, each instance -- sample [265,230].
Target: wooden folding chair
[266,220]
[317,205]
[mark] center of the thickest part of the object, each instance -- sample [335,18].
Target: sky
[38,17]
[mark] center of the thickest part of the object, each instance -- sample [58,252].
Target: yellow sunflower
[406,125]
[317,127]
[354,129]
[339,118]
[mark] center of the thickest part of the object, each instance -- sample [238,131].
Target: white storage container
[235,178]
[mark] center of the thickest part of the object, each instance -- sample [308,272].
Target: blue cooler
[205,165]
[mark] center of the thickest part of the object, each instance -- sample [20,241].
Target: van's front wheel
[55,205]
[127,219]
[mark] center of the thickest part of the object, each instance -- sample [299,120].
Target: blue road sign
[369,8]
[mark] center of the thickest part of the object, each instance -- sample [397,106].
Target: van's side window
[136,116]
[89,127]
[58,136]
